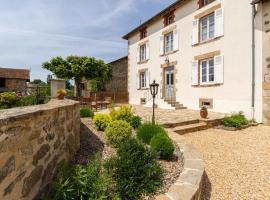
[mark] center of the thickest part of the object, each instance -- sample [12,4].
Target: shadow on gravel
[207,188]
[90,145]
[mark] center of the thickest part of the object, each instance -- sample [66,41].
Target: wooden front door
[169,83]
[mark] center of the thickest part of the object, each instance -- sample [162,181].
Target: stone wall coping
[190,182]
[22,112]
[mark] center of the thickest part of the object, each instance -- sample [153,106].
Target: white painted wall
[235,46]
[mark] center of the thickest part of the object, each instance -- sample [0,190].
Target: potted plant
[204,112]
[61,94]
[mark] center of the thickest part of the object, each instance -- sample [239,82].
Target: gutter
[254,12]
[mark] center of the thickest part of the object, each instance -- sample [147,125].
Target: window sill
[208,85]
[207,41]
[142,62]
[168,53]
[143,89]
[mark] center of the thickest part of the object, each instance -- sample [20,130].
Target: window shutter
[195,73]
[138,54]
[161,50]
[219,69]
[147,51]
[219,22]
[138,81]
[147,79]
[175,40]
[195,32]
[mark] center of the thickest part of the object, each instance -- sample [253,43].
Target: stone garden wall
[33,140]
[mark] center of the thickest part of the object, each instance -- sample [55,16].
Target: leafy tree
[39,82]
[77,68]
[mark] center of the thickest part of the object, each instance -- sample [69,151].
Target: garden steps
[190,128]
[175,104]
[192,125]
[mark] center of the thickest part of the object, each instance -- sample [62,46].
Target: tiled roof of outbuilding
[15,73]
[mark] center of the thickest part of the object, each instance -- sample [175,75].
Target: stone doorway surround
[162,77]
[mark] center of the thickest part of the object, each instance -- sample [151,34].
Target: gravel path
[237,163]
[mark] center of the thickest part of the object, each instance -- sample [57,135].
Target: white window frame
[168,42]
[143,53]
[208,27]
[208,74]
[142,80]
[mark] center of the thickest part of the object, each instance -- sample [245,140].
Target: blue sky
[33,31]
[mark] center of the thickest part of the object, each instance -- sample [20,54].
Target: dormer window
[143,33]
[203,3]
[169,19]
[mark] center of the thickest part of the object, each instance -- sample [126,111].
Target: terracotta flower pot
[61,96]
[204,112]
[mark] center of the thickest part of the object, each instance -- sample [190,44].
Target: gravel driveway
[237,163]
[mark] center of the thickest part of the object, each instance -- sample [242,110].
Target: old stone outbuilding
[13,79]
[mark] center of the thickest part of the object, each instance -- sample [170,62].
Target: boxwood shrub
[86,112]
[163,145]
[235,120]
[117,132]
[101,121]
[136,121]
[148,130]
[123,113]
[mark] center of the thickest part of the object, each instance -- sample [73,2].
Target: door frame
[164,81]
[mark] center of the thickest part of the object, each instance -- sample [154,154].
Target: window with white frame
[168,42]
[142,80]
[142,52]
[207,71]
[207,27]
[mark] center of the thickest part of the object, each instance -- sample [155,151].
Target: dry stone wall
[33,140]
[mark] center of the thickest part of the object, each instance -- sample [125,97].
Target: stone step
[176,104]
[180,108]
[173,125]
[191,128]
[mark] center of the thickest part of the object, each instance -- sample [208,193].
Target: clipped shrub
[8,100]
[123,113]
[235,120]
[136,121]
[163,145]
[82,182]
[27,101]
[101,121]
[117,132]
[135,170]
[148,130]
[86,112]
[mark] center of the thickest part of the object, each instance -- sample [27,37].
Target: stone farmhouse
[212,53]
[117,82]
[13,79]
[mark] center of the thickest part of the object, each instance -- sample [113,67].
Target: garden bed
[171,169]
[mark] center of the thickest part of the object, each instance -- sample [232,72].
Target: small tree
[39,82]
[75,67]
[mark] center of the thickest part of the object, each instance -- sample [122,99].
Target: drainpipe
[254,12]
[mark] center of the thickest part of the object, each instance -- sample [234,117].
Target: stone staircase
[192,126]
[175,104]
